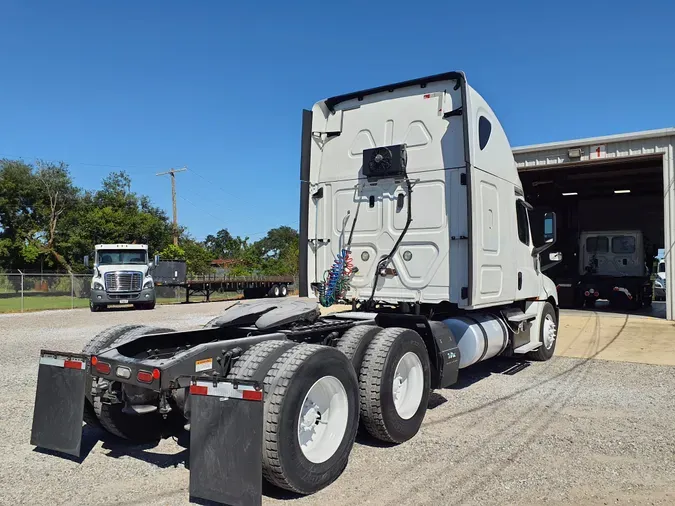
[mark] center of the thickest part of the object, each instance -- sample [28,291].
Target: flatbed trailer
[251,286]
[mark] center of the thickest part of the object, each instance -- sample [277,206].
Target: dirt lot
[594,429]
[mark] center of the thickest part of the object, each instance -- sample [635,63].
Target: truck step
[517,316]
[526,348]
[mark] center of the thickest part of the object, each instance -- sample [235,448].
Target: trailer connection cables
[382,264]
[335,284]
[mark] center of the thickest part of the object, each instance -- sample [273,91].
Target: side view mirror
[86,260]
[156,260]
[550,234]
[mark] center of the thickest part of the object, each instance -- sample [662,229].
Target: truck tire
[394,385]
[95,308]
[354,343]
[284,290]
[249,363]
[548,335]
[311,418]
[137,428]
[274,291]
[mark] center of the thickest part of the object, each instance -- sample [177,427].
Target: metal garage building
[622,181]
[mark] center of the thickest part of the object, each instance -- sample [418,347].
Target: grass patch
[13,304]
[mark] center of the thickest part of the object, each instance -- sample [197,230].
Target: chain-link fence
[30,292]
[24,291]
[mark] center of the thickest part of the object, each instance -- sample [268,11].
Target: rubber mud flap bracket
[226,427]
[59,402]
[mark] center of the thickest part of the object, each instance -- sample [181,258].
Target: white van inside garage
[616,195]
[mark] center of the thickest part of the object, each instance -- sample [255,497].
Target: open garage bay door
[604,184]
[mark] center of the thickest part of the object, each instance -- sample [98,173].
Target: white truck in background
[122,275]
[412,211]
[613,267]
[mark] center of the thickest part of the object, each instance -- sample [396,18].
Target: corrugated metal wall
[663,145]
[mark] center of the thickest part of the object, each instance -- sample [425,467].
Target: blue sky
[219,86]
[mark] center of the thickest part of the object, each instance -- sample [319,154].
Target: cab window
[523,224]
[598,244]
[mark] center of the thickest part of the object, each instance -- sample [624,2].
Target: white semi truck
[613,267]
[122,275]
[412,211]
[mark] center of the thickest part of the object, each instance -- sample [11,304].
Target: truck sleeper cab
[411,211]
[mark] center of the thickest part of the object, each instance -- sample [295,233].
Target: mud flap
[59,402]
[226,425]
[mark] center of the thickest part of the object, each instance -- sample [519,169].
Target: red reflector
[72,364]
[252,395]
[199,390]
[586,293]
[427,95]
[155,373]
[94,361]
[144,377]
[102,367]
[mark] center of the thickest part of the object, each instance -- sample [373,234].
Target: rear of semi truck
[412,212]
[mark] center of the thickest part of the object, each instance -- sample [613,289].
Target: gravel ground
[567,431]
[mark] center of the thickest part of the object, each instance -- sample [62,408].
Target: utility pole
[172,173]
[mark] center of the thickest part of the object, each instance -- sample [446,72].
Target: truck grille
[123,281]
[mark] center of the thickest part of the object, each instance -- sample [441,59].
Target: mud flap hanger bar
[59,402]
[226,430]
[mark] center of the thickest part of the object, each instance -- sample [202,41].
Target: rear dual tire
[394,385]
[310,414]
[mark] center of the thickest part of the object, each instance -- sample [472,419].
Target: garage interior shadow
[582,194]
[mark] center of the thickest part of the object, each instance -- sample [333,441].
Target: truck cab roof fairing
[422,81]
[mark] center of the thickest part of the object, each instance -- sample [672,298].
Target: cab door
[528,281]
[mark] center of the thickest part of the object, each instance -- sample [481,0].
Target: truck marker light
[156,373]
[144,377]
[102,367]
[94,361]
[73,364]
[199,390]
[252,395]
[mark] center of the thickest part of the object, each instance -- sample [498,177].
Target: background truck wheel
[284,290]
[137,428]
[274,291]
[548,334]
[95,308]
[394,385]
[311,418]
[354,343]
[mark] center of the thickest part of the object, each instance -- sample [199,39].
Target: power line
[84,164]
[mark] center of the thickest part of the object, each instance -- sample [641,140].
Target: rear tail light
[144,377]
[102,367]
